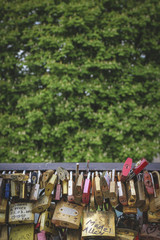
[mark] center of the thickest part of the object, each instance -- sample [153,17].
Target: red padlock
[126,169]
[140,165]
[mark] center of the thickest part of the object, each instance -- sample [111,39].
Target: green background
[79,80]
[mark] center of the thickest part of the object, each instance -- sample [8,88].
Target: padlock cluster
[60,204]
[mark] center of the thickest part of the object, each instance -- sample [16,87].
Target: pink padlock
[86,190]
[41,235]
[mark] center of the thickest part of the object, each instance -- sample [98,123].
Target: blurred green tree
[79,80]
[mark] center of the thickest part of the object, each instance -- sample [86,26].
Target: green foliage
[79,80]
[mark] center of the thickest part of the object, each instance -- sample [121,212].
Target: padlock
[73,234]
[64,188]
[148,183]
[34,177]
[105,184]
[126,169]
[121,191]
[67,215]
[62,174]
[20,213]
[113,191]
[127,224]
[45,177]
[86,189]
[3,205]
[14,188]
[93,205]
[71,188]
[3,218]
[131,192]
[140,192]
[79,189]
[154,204]
[51,184]
[35,189]
[7,187]
[150,231]
[20,177]
[46,223]
[41,204]
[29,185]
[58,191]
[41,235]
[98,192]
[153,217]
[129,210]
[22,188]
[2,185]
[145,207]
[139,166]
[98,223]
[4,232]
[22,232]
[77,172]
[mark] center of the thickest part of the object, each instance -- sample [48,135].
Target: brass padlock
[46,223]
[41,204]
[93,205]
[35,188]
[124,234]
[145,207]
[153,217]
[3,205]
[4,232]
[98,192]
[73,234]
[51,184]
[105,184]
[129,210]
[131,192]
[140,191]
[67,215]
[79,189]
[3,218]
[98,224]
[154,204]
[22,188]
[14,188]
[21,213]
[29,185]
[22,232]
[45,177]
[113,192]
[64,188]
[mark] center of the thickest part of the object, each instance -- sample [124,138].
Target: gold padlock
[41,204]
[140,191]
[145,207]
[129,210]
[79,189]
[98,192]
[22,232]
[22,188]
[45,177]
[51,184]
[98,223]
[46,223]
[4,232]
[67,215]
[21,213]
[154,204]
[65,188]
[73,234]
[3,218]
[125,234]
[153,217]
[131,192]
[3,205]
